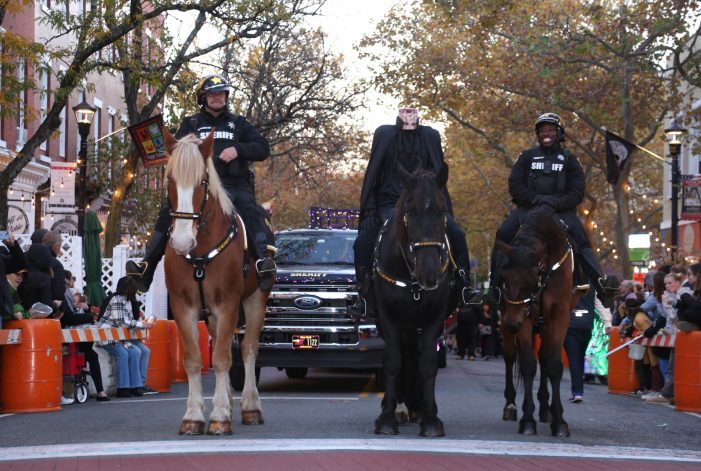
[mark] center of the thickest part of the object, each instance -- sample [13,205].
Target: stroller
[73,370]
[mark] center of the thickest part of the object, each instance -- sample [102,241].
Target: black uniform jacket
[521,185]
[229,130]
[384,137]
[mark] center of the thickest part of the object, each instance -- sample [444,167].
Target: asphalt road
[342,405]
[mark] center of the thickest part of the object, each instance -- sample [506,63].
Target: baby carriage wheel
[81,392]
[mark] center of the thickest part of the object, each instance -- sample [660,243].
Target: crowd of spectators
[667,303]
[36,285]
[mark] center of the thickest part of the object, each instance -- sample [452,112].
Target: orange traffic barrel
[177,355]
[204,346]
[687,371]
[31,371]
[621,378]
[158,341]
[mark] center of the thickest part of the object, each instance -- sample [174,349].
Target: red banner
[148,139]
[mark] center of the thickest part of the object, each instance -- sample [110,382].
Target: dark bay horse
[413,290]
[537,291]
[204,268]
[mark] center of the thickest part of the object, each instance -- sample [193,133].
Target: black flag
[618,152]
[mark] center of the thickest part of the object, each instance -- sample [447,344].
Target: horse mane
[422,195]
[539,227]
[187,167]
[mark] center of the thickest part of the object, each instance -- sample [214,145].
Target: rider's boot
[265,265]
[144,270]
[359,308]
[493,293]
[590,265]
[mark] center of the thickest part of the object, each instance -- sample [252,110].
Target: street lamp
[675,135]
[84,114]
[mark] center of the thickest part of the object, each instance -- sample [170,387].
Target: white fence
[154,302]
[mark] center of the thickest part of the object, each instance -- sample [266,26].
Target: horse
[209,275]
[412,290]
[537,291]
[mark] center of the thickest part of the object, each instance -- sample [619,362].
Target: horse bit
[413,286]
[199,263]
[543,278]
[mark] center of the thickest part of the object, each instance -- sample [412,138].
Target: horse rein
[543,278]
[413,286]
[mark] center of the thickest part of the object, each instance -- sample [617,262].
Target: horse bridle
[412,285]
[199,263]
[543,278]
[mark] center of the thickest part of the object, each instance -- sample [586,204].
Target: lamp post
[84,114]
[675,135]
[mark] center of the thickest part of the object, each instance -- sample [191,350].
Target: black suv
[307,322]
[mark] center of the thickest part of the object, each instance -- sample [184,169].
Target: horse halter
[543,278]
[198,215]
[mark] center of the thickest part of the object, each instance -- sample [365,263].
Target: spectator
[466,331]
[627,287]
[578,336]
[489,336]
[53,240]
[131,358]
[689,305]
[37,287]
[79,315]
[654,308]
[11,260]
[14,281]
[674,290]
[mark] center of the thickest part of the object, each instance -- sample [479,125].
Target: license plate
[305,342]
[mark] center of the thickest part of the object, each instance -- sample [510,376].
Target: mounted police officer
[236,143]
[551,177]
[414,146]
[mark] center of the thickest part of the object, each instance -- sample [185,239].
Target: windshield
[322,248]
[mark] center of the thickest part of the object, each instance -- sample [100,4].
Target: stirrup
[359,308]
[266,271]
[584,288]
[470,296]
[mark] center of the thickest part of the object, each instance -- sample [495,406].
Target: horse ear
[442,176]
[404,175]
[169,140]
[207,146]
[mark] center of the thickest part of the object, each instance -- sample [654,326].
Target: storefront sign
[17,220]
[66,226]
[691,199]
[62,196]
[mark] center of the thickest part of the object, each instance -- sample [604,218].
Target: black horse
[413,290]
[537,291]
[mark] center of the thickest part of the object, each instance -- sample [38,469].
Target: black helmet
[211,84]
[551,118]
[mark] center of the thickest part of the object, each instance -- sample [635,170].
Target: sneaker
[66,400]
[686,326]
[659,399]
[124,392]
[146,391]
[136,392]
[648,395]
[576,399]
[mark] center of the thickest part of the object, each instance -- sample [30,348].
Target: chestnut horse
[204,268]
[537,291]
[414,292]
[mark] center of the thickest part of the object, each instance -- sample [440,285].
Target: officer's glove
[547,203]
[370,222]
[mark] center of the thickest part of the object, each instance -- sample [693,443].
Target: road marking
[469,447]
[238,398]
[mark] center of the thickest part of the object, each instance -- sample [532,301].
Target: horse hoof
[191,427]
[386,426]
[254,417]
[561,430]
[219,427]
[545,417]
[432,428]
[510,414]
[527,428]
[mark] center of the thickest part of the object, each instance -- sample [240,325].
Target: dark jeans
[466,335]
[576,342]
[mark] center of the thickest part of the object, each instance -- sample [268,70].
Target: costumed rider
[550,177]
[236,143]
[414,146]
